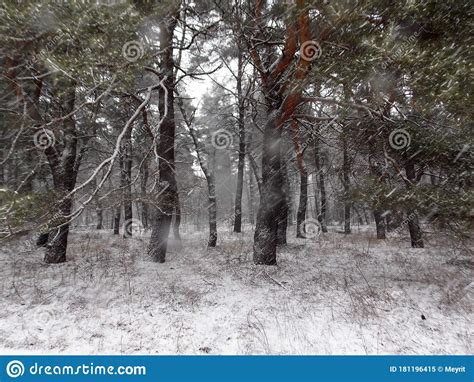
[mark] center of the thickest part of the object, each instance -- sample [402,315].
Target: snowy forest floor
[335,294]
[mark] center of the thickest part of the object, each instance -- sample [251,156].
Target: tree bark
[100,217]
[166,146]
[284,210]
[251,196]
[416,235]
[64,170]
[144,172]
[302,206]
[177,217]
[212,210]
[379,224]
[346,184]
[272,196]
[117,216]
[241,163]
[321,185]
[127,184]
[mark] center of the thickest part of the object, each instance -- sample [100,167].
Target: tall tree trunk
[127,185]
[166,147]
[346,184]
[118,209]
[64,169]
[414,228]
[144,172]
[210,178]
[251,196]
[302,206]
[241,163]
[271,197]
[321,185]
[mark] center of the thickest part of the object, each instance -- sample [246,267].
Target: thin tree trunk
[117,216]
[100,217]
[177,218]
[359,216]
[212,210]
[251,196]
[321,185]
[317,210]
[210,179]
[302,206]
[414,228]
[346,184]
[144,172]
[127,186]
[241,163]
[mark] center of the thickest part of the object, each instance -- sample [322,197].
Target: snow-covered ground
[335,294]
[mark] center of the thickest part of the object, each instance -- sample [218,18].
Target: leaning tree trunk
[414,228]
[166,147]
[301,215]
[271,197]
